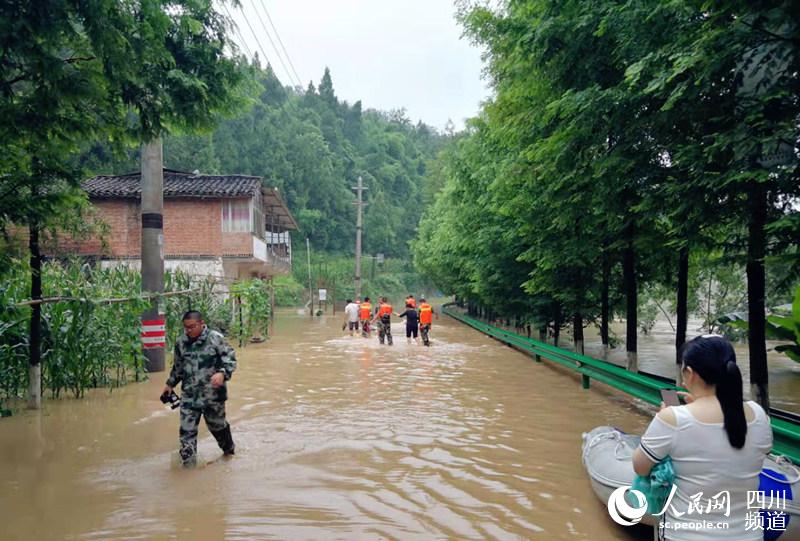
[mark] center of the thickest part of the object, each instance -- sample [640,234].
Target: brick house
[223,226]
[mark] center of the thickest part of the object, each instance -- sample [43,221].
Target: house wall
[237,244]
[202,268]
[192,227]
[123,237]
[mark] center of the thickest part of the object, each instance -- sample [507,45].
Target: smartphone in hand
[670,397]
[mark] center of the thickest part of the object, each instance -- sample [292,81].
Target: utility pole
[359,208]
[153,251]
[310,286]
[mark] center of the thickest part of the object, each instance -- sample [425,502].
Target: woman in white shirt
[717,444]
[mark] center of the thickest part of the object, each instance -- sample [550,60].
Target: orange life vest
[425,313]
[364,310]
[385,310]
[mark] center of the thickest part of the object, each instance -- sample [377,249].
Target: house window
[237,216]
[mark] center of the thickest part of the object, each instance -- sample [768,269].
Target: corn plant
[84,343]
[251,298]
[208,299]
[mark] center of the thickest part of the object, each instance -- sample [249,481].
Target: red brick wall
[122,236]
[237,244]
[192,227]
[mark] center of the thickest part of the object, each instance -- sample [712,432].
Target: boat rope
[786,467]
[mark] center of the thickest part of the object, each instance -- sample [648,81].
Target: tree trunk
[557,325]
[604,307]
[577,332]
[756,329]
[35,335]
[629,278]
[682,308]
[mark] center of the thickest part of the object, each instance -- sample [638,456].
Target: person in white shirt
[717,443]
[351,316]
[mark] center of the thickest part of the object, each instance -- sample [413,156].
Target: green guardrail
[786,434]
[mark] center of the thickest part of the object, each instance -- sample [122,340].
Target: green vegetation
[251,310]
[85,343]
[207,297]
[77,73]
[394,277]
[85,84]
[787,328]
[628,149]
[89,342]
[312,147]
[288,291]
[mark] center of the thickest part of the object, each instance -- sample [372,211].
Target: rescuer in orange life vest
[425,320]
[383,316]
[364,314]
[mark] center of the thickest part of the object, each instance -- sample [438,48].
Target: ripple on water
[341,438]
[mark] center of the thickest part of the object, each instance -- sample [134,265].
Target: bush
[288,291]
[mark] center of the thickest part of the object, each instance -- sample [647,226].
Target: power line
[237,31]
[285,52]
[260,48]
[274,48]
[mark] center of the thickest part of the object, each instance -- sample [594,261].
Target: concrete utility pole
[359,207]
[152,246]
[310,285]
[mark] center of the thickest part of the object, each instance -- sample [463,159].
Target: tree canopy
[313,146]
[622,143]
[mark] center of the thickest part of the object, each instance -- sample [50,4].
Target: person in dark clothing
[412,323]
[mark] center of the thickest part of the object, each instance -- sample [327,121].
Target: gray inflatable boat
[607,457]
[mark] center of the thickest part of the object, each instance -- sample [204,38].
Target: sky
[388,54]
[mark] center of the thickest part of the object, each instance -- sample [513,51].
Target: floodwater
[337,438]
[657,356]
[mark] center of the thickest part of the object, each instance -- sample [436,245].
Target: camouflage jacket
[195,362]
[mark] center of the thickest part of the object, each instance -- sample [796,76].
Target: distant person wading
[383,316]
[412,323]
[351,316]
[364,314]
[425,320]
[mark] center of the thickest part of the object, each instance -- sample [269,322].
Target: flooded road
[337,438]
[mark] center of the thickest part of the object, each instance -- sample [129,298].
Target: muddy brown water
[337,438]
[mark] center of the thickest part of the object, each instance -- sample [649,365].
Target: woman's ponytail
[729,394]
[714,360]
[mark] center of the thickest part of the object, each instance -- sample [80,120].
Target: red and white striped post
[154,333]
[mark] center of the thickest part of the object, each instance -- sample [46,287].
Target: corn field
[84,344]
[89,344]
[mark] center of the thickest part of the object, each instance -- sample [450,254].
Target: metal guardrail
[785,426]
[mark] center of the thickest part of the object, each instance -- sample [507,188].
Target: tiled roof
[176,184]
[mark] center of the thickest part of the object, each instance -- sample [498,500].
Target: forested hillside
[313,146]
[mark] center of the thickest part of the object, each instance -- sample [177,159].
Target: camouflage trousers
[424,330]
[214,414]
[384,332]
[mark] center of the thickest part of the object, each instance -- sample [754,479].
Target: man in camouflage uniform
[202,363]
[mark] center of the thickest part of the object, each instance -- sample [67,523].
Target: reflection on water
[337,438]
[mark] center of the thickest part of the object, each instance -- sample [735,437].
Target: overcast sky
[388,54]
